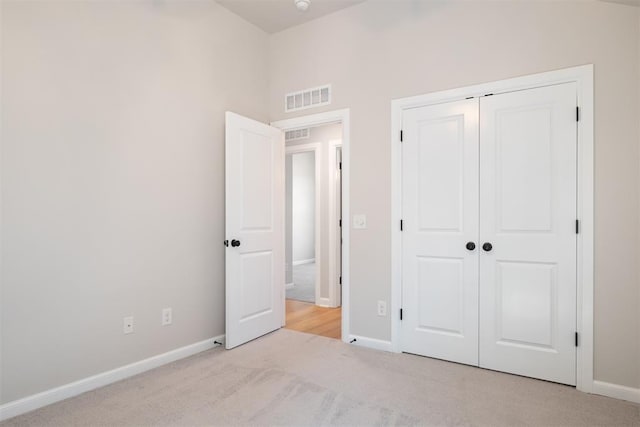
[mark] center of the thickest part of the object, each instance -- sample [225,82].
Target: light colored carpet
[304,280]
[292,378]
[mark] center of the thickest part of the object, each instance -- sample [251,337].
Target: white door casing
[528,215]
[254,217]
[334,152]
[440,216]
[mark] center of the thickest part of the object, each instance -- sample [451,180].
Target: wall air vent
[307,98]
[292,135]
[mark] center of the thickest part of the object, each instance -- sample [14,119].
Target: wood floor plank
[309,318]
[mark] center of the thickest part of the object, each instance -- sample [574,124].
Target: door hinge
[576,339]
[340,280]
[400,314]
[339,223]
[577,114]
[340,165]
[401,136]
[577,226]
[401,225]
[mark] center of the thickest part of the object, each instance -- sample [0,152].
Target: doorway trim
[583,77]
[334,218]
[329,117]
[317,226]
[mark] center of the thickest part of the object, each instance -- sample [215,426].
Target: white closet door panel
[528,213]
[440,215]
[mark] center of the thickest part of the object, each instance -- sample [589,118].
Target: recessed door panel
[257,285]
[440,216]
[257,181]
[440,295]
[441,159]
[527,214]
[523,168]
[526,304]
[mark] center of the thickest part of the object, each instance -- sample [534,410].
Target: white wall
[303,203]
[381,50]
[113,179]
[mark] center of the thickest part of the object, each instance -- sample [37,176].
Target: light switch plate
[359,221]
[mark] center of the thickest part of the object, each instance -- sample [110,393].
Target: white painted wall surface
[303,204]
[113,179]
[382,50]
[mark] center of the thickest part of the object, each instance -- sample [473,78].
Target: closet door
[440,231]
[528,233]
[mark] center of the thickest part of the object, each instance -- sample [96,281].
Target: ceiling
[627,2]
[277,15]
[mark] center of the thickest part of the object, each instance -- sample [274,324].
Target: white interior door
[254,215]
[440,217]
[528,216]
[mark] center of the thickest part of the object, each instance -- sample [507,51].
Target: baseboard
[616,391]
[323,302]
[304,261]
[30,403]
[370,343]
[289,285]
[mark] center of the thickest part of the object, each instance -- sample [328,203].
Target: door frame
[583,77]
[334,218]
[329,117]
[314,148]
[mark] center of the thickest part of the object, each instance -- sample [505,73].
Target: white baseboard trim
[304,261]
[616,391]
[370,343]
[323,302]
[289,285]
[30,403]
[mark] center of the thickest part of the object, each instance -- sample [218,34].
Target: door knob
[226,243]
[470,246]
[235,243]
[487,247]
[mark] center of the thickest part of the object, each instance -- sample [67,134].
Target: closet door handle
[235,243]
[470,246]
[487,247]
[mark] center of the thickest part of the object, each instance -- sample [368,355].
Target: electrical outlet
[128,325]
[167,316]
[382,308]
[360,221]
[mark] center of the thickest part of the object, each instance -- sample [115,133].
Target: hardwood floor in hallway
[309,318]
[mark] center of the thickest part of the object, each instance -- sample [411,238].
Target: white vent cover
[307,98]
[292,135]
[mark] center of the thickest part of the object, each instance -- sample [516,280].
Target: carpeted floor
[291,378]
[304,281]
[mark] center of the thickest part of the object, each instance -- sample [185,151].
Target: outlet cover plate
[127,326]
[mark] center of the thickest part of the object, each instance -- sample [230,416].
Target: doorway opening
[313,230]
[302,211]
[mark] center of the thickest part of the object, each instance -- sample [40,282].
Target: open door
[254,217]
